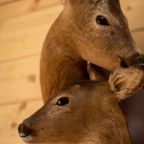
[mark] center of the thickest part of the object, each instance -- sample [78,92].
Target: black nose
[139,60]
[135,60]
[24,131]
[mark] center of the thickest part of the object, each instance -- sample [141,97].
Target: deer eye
[101,20]
[62,101]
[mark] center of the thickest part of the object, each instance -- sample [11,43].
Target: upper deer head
[100,32]
[86,30]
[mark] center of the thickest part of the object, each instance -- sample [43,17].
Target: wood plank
[21,7]
[131,4]
[133,9]
[24,35]
[5,1]
[19,80]
[11,116]
[139,38]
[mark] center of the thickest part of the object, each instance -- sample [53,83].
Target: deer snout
[25,132]
[134,60]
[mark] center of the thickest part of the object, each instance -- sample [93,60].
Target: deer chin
[26,138]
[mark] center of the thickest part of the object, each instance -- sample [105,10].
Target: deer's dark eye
[101,20]
[62,101]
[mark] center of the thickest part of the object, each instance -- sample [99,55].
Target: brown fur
[76,38]
[92,116]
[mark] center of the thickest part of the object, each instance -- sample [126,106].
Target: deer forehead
[88,7]
[85,89]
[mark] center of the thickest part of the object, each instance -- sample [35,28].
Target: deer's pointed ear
[124,82]
[95,73]
[91,71]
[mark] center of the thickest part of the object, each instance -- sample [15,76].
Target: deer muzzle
[134,60]
[25,133]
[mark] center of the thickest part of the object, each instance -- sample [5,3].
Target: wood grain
[134,11]
[139,37]
[19,80]
[6,1]
[24,35]
[11,116]
[13,8]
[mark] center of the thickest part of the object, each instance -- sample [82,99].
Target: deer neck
[60,63]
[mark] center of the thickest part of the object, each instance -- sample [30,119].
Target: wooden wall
[23,26]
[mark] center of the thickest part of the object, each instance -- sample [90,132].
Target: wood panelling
[139,37]
[6,1]
[20,7]
[19,80]
[24,35]
[134,11]
[11,116]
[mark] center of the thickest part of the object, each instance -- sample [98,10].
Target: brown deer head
[87,112]
[100,33]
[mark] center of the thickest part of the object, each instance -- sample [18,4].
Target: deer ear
[91,72]
[125,81]
[95,73]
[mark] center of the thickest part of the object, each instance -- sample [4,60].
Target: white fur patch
[26,139]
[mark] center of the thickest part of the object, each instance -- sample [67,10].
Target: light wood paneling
[139,37]
[19,80]
[134,11]
[6,1]
[24,35]
[11,116]
[20,7]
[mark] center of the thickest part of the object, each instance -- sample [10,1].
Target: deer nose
[136,60]
[24,131]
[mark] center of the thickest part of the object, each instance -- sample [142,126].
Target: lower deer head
[87,112]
